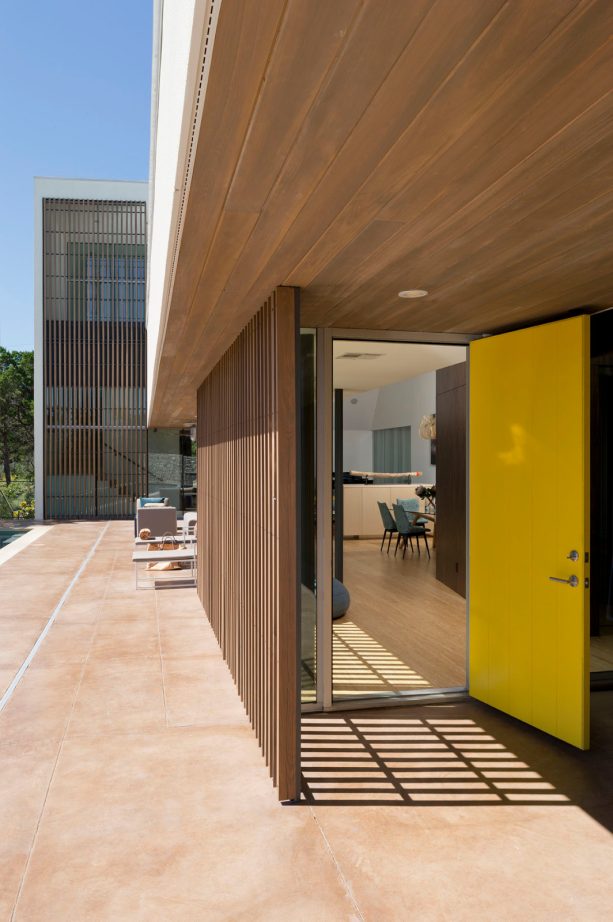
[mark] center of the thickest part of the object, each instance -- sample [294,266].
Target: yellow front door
[529,502]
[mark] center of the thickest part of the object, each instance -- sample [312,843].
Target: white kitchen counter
[361,514]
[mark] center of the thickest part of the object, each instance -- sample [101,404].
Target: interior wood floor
[602,651]
[404,631]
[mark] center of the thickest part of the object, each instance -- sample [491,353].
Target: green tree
[16,410]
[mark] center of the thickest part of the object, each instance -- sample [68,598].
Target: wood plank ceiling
[357,148]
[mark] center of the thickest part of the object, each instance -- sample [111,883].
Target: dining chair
[412,505]
[389,526]
[407,531]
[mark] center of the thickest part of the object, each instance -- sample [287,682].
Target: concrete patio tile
[176,825]
[26,772]
[121,585]
[178,603]
[200,693]
[119,696]
[127,608]
[7,674]
[115,640]
[38,605]
[91,586]
[79,612]
[510,863]
[40,706]
[187,637]
[57,571]
[167,614]
[17,639]
[65,643]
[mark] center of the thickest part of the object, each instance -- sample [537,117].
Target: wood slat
[247,525]
[95,368]
[358,149]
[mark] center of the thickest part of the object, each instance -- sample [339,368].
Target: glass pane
[308,501]
[172,467]
[399,614]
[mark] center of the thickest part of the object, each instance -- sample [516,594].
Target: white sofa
[160,520]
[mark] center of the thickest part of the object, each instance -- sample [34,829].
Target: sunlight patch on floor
[362,666]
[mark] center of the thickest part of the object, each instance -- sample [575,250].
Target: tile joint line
[345,883]
[20,673]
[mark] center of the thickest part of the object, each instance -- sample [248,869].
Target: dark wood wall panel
[601,464]
[247,529]
[451,477]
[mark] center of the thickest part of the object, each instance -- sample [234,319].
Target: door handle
[571,581]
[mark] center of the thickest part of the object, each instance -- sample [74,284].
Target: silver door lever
[572,580]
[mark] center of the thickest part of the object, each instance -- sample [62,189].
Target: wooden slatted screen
[247,531]
[95,358]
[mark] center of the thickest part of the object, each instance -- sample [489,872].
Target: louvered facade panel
[95,434]
[247,525]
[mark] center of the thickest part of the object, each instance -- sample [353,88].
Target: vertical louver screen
[94,264]
[247,525]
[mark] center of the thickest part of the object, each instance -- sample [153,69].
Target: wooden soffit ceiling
[357,148]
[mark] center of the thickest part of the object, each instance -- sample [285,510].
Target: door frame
[325,337]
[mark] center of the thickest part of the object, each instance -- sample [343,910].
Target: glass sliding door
[397,605]
[308,513]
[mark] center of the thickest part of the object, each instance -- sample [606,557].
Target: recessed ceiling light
[413,293]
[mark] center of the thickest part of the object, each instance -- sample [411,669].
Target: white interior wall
[359,409]
[357,450]
[358,417]
[404,404]
[400,404]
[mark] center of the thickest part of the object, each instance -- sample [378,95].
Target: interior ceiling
[358,148]
[393,362]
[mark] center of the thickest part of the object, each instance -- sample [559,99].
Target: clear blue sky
[75,81]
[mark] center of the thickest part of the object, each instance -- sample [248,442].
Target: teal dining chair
[407,531]
[412,505]
[389,526]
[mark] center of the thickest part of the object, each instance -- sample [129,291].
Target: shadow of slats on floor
[349,759]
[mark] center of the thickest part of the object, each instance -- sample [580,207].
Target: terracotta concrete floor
[133,789]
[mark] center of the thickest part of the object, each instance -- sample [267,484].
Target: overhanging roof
[356,149]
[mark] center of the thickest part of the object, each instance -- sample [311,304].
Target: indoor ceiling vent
[361,355]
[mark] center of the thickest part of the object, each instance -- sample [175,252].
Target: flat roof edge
[63,187]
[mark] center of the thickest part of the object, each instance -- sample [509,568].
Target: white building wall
[180,30]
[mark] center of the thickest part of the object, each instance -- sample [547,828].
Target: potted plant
[428,494]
